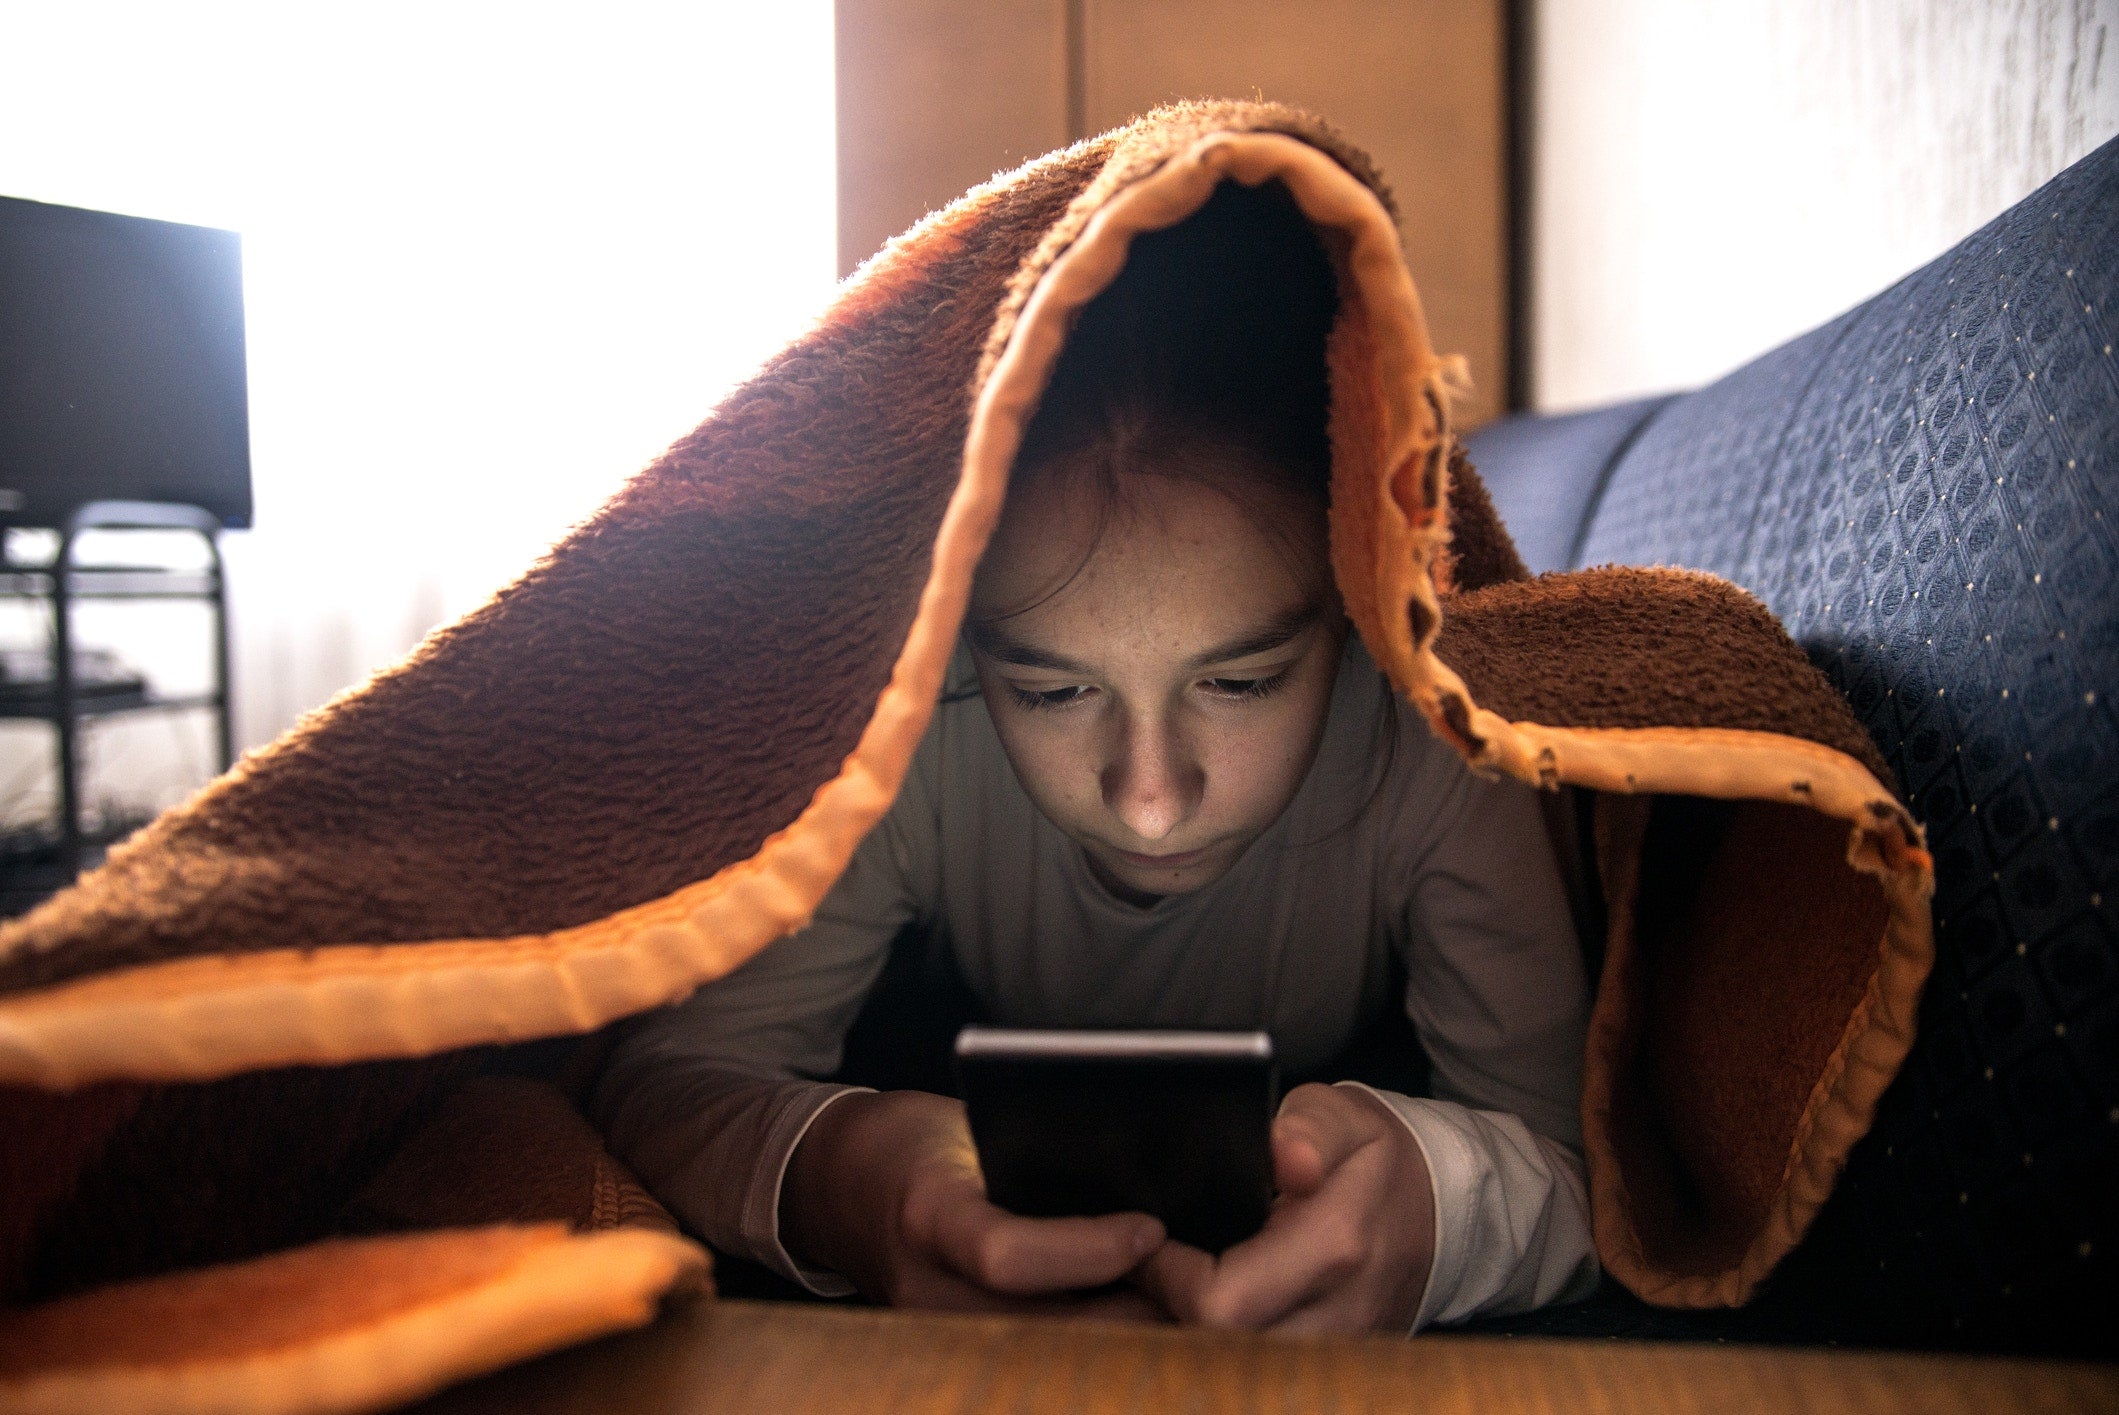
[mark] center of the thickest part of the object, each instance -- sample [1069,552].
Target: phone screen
[1174,1124]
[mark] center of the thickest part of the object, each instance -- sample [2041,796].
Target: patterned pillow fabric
[1926,492]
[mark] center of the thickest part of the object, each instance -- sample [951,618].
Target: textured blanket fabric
[650,757]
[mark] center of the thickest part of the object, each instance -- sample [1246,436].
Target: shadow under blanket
[275,1057]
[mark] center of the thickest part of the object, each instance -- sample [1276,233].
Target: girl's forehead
[1172,558]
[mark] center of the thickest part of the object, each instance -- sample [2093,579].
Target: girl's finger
[1332,1121]
[1298,1165]
[1328,1315]
[1175,1275]
[1005,1253]
[1310,1247]
[935,1290]
[938,1291]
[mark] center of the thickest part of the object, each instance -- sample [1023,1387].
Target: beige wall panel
[1418,83]
[1713,177]
[934,97]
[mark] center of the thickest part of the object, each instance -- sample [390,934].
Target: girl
[1171,791]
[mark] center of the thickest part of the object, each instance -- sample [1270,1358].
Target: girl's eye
[1051,698]
[1247,687]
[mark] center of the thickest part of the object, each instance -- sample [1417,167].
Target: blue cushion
[1545,473]
[1926,491]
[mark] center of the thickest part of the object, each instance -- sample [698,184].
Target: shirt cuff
[761,1204]
[1512,1229]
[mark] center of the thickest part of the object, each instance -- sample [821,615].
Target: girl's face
[1162,708]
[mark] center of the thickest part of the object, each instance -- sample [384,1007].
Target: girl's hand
[886,1189]
[1350,1239]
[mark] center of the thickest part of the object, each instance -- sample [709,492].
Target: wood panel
[935,96]
[780,1359]
[1419,84]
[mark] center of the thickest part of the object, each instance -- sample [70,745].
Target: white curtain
[495,258]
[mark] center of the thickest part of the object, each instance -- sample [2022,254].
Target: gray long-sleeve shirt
[1389,847]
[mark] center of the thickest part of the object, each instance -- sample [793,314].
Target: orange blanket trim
[1883,842]
[430,1309]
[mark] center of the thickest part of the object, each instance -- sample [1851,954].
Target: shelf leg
[67,705]
[224,713]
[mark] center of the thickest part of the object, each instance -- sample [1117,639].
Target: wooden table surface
[783,1359]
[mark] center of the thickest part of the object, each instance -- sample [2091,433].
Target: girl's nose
[1151,782]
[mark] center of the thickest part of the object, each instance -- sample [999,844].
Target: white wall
[1712,177]
[496,256]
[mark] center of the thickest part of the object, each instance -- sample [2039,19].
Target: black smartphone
[1174,1124]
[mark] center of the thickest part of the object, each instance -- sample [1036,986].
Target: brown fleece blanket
[233,1060]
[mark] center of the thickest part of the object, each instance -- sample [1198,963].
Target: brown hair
[1205,359]
[1140,434]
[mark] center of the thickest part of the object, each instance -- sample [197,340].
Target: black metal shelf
[34,864]
[68,703]
[112,582]
[110,705]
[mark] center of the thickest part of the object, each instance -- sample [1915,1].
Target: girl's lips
[1152,862]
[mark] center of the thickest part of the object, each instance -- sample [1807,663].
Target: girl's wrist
[843,1197]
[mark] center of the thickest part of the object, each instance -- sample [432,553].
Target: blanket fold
[651,756]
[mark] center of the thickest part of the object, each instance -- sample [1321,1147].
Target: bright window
[496,257]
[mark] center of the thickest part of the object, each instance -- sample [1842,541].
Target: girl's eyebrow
[1280,629]
[1283,627]
[996,644]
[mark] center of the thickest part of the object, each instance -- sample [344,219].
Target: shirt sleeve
[1497,991]
[706,1100]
